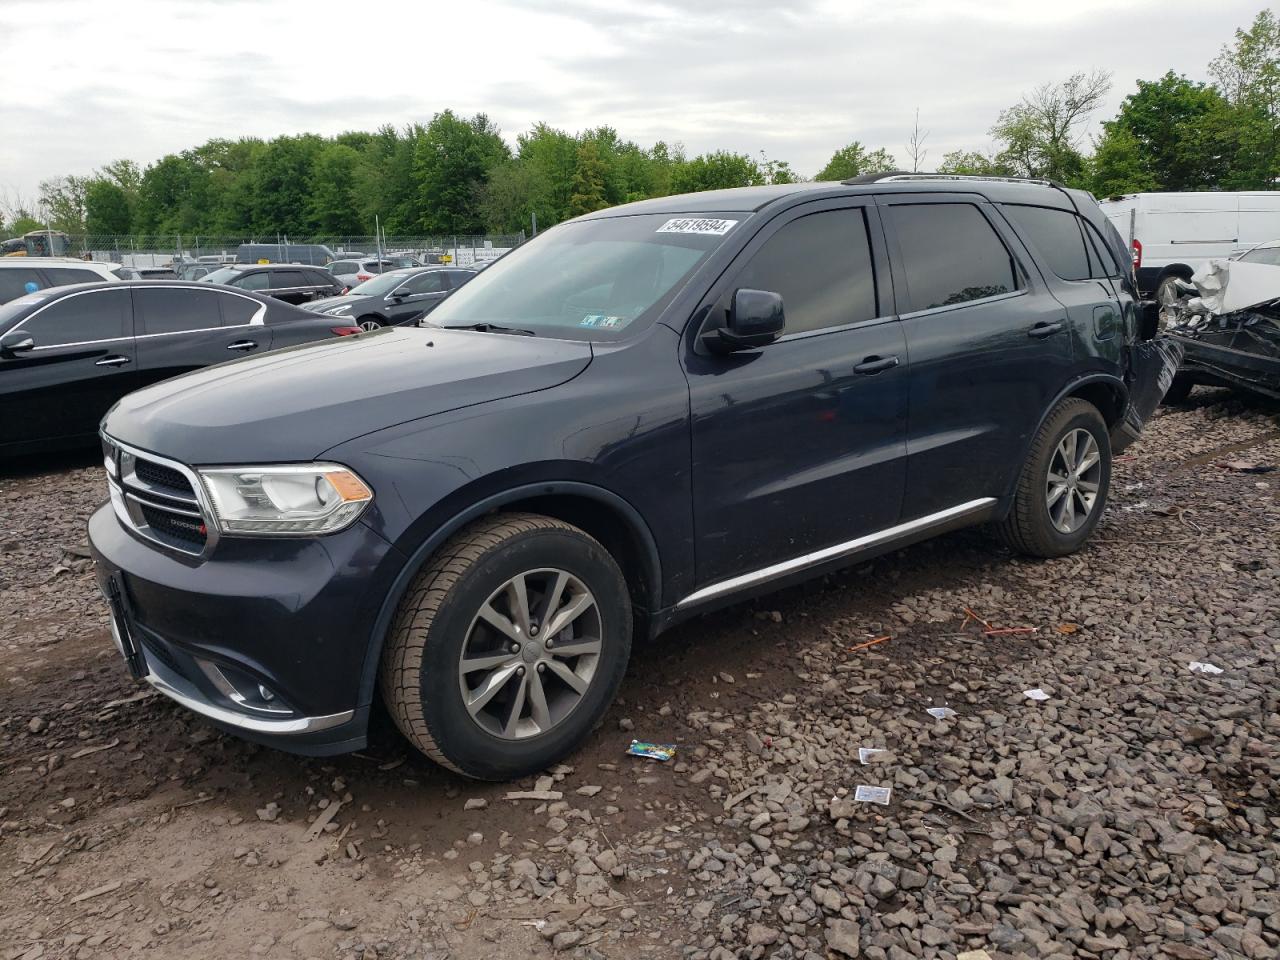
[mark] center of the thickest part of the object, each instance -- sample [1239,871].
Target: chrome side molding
[848,548]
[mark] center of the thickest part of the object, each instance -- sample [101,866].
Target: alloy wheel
[370,325]
[530,654]
[1075,473]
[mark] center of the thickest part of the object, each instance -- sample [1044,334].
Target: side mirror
[17,342]
[755,319]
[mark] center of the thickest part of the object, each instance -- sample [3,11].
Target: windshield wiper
[492,328]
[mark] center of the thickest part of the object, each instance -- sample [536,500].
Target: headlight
[285,501]
[338,311]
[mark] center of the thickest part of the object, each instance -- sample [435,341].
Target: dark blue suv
[637,416]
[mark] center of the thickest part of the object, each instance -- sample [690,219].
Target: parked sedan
[395,298]
[290,282]
[67,354]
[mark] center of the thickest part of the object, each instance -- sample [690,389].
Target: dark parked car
[395,297]
[290,282]
[633,418]
[68,354]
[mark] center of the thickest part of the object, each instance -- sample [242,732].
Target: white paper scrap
[1036,694]
[941,713]
[867,754]
[1198,667]
[865,794]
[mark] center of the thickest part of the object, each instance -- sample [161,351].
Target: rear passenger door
[799,445]
[989,349]
[185,328]
[1083,277]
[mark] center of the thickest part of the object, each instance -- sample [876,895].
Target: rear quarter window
[13,283]
[1056,236]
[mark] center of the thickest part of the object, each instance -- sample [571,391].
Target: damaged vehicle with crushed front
[636,417]
[1226,319]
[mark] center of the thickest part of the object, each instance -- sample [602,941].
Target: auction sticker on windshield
[717,228]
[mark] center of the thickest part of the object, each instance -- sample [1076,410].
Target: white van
[1174,233]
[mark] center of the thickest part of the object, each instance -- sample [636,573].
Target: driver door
[417,296]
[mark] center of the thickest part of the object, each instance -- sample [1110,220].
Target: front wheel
[509,646]
[1063,487]
[369,323]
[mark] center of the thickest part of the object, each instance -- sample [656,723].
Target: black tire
[419,673]
[370,322]
[1178,390]
[1029,528]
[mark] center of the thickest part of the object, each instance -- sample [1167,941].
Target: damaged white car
[1227,320]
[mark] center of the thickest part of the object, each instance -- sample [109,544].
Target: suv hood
[293,404]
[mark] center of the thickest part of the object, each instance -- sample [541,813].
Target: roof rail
[891,176]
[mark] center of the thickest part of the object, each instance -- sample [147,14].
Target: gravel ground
[1132,813]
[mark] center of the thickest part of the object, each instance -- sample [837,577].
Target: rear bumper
[266,639]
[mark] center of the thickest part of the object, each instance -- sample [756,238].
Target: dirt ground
[1133,813]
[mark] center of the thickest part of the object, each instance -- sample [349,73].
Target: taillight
[345,331]
[362,277]
[1137,253]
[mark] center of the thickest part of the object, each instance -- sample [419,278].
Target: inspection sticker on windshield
[716,228]
[600,321]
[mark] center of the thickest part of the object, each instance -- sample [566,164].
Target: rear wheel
[509,646]
[1063,487]
[369,323]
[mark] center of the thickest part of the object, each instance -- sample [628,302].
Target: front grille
[186,529]
[158,475]
[157,499]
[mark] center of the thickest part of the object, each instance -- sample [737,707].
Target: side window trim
[1004,233]
[882,280]
[130,335]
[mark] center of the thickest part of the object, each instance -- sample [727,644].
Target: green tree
[551,156]
[63,201]
[1248,76]
[854,160]
[1119,165]
[776,171]
[451,162]
[1183,132]
[974,163]
[715,171]
[334,206]
[280,185]
[588,181]
[108,208]
[1041,134]
[507,200]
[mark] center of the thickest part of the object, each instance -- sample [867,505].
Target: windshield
[587,280]
[225,275]
[380,285]
[1269,255]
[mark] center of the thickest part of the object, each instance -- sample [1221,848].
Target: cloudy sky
[87,81]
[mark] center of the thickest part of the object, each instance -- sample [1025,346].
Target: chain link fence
[141,251]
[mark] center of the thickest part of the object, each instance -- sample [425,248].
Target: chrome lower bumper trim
[293,725]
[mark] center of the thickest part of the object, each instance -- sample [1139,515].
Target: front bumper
[268,639]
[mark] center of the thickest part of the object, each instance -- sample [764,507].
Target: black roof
[752,199]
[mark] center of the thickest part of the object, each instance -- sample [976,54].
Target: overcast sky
[88,81]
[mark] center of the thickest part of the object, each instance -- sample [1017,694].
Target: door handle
[873,365]
[112,362]
[1044,329]
[243,345]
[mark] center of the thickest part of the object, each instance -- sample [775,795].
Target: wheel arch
[596,510]
[1106,392]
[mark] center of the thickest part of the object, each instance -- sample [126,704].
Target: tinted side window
[1101,255]
[343,266]
[287,278]
[319,278]
[1056,236]
[254,281]
[237,311]
[82,318]
[13,283]
[175,310]
[58,276]
[821,265]
[423,283]
[951,254]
